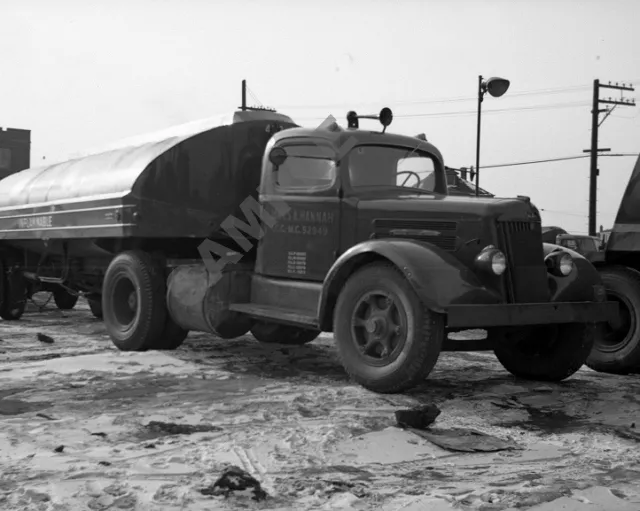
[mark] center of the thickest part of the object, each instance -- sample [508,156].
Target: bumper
[482,316]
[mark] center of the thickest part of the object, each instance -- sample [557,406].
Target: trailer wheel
[13,301]
[64,300]
[617,348]
[274,333]
[545,353]
[96,307]
[133,301]
[388,341]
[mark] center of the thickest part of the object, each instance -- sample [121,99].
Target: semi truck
[252,223]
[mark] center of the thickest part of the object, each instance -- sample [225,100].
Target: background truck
[618,351]
[255,224]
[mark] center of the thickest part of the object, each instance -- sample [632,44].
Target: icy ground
[74,432]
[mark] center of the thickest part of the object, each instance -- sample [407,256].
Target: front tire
[133,301]
[549,353]
[274,333]
[617,348]
[388,341]
[63,299]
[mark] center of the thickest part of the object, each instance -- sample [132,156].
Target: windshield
[396,167]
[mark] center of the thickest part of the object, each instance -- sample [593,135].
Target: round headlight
[492,260]
[498,263]
[566,264]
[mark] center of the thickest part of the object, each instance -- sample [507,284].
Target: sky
[83,73]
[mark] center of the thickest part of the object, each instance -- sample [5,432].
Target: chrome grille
[526,276]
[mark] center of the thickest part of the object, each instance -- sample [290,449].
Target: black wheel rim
[124,302]
[617,335]
[379,327]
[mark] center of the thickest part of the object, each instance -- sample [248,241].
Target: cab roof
[341,137]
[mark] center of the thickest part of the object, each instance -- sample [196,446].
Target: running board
[297,318]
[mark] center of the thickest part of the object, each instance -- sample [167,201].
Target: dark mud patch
[18,407]
[159,429]
[549,422]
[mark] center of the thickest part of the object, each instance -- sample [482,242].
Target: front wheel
[388,341]
[617,348]
[545,353]
[271,333]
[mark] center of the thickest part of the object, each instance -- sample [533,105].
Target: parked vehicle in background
[619,266]
[583,244]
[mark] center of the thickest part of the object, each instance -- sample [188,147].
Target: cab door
[303,244]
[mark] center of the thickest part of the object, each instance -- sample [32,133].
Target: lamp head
[495,86]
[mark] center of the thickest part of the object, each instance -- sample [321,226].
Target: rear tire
[96,307]
[63,299]
[274,333]
[388,341]
[133,301]
[617,347]
[171,337]
[545,353]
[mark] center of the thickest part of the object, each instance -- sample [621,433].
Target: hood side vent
[439,233]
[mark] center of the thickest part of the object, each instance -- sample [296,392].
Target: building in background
[15,151]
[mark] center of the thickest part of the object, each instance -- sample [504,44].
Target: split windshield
[395,167]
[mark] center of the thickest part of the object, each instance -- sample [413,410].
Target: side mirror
[277,156]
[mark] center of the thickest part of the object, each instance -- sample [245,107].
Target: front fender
[578,285]
[437,276]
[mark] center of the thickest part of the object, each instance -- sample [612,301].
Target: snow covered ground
[75,433]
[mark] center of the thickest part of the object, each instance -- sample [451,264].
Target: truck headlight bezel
[560,263]
[491,260]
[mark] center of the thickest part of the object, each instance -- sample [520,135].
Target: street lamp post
[496,87]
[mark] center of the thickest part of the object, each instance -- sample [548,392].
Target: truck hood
[462,208]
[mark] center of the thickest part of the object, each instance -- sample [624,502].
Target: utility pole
[595,115]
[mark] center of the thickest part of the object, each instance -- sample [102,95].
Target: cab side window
[307,168]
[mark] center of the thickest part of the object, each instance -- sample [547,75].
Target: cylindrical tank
[199,301]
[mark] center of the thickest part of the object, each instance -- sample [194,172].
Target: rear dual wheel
[13,294]
[134,305]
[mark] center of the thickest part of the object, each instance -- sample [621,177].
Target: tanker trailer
[160,194]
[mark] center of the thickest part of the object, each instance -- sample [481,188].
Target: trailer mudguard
[578,285]
[437,276]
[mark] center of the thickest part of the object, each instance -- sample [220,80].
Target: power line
[457,113]
[549,160]
[534,92]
